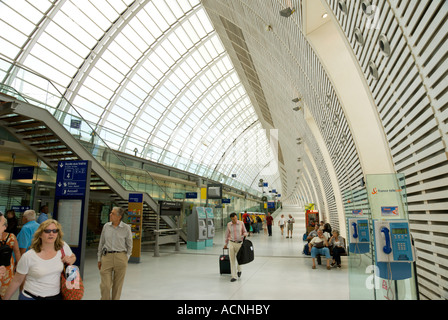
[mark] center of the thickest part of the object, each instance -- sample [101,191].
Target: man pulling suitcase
[235,234]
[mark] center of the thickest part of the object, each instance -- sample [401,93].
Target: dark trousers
[270,229]
[337,251]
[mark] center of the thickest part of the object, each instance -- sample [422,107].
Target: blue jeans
[23,297]
[322,251]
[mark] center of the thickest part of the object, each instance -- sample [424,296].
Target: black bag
[5,253]
[224,262]
[246,252]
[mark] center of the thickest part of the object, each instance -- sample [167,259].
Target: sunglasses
[51,230]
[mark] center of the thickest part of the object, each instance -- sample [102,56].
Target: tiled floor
[279,271]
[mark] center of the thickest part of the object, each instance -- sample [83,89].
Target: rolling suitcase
[224,262]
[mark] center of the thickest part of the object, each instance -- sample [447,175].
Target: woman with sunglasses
[41,266]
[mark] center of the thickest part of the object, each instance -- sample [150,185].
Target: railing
[13,77]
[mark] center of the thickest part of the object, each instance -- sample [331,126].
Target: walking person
[269,222]
[10,240]
[41,266]
[26,234]
[281,223]
[290,226]
[234,236]
[43,215]
[114,250]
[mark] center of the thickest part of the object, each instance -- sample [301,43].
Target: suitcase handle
[223,249]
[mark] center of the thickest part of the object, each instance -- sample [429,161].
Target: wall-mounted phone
[393,241]
[359,235]
[359,230]
[394,252]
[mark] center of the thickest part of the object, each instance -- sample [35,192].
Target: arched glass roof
[152,77]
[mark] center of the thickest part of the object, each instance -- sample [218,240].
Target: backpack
[5,253]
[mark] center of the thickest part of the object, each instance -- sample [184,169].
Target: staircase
[49,139]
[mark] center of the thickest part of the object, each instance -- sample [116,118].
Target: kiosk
[196,229]
[311,218]
[210,227]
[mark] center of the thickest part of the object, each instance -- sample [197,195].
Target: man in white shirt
[114,250]
[235,234]
[319,245]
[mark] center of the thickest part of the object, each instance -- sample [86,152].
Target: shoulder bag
[5,253]
[72,287]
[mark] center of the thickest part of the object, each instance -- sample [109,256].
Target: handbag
[319,245]
[72,287]
[5,253]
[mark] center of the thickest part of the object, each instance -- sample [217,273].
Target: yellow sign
[204,193]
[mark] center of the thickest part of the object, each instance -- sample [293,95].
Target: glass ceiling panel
[151,75]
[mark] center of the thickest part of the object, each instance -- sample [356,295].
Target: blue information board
[191,195]
[72,193]
[71,178]
[22,173]
[136,197]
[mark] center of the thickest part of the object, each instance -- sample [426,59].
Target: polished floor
[279,272]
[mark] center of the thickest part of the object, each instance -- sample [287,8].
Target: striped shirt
[235,231]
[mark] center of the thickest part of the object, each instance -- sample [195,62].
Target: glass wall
[160,183]
[382,267]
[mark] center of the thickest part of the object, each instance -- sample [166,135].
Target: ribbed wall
[410,92]
[284,56]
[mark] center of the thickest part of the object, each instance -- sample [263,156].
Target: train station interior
[325,110]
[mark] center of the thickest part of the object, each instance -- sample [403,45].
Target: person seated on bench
[319,245]
[337,243]
[311,235]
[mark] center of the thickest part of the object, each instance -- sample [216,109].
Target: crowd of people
[39,254]
[320,243]
[36,262]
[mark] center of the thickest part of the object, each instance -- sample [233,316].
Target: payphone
[210,227]
[359,235]
[196,229]
[394,252]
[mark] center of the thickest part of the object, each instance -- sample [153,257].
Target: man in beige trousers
[114,250]
[235,234]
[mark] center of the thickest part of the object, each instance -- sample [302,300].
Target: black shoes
[239,275]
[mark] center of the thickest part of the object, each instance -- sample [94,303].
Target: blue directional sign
[20,208]
[191,195]
[22,173]
[136,197]
[71,178]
